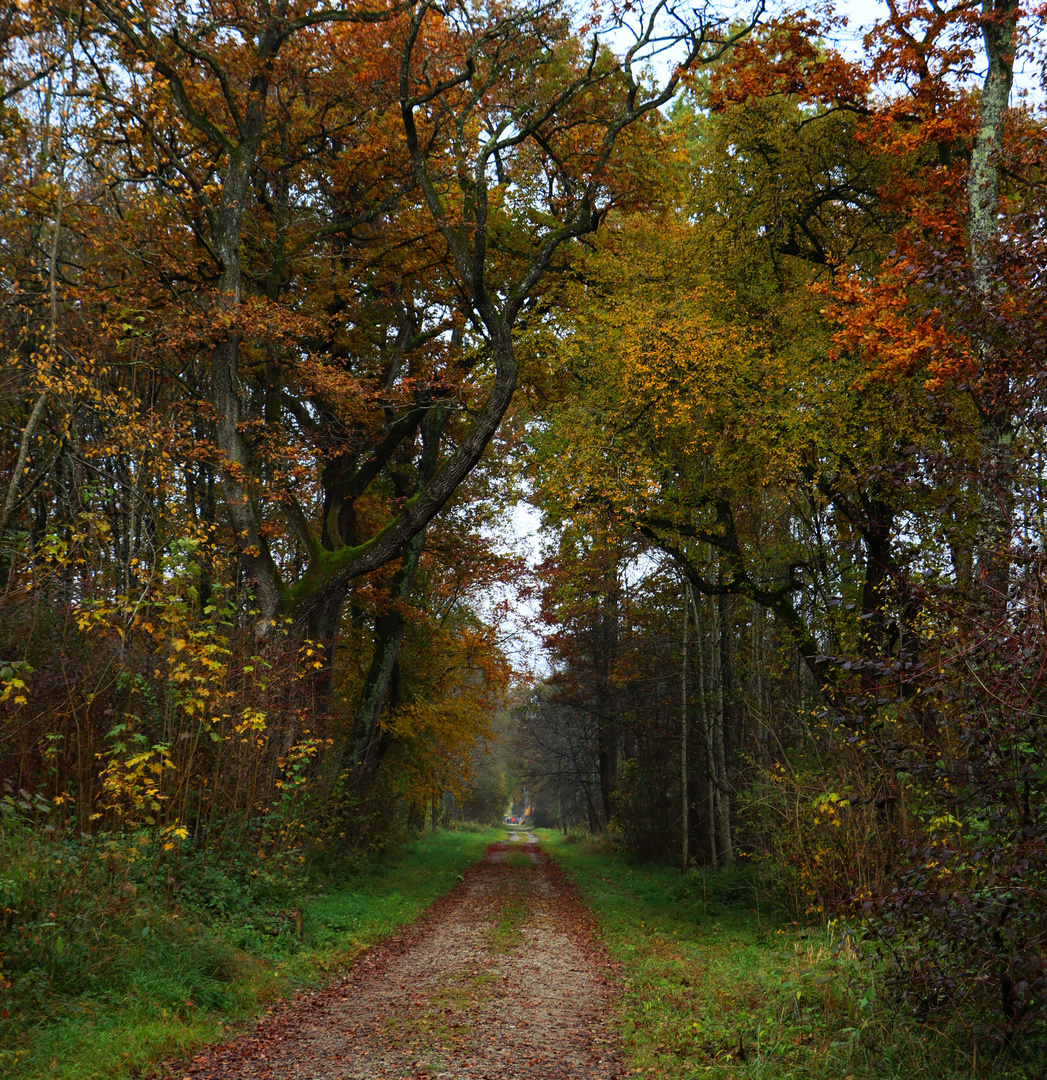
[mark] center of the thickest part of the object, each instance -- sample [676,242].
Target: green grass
[513,907]
[182,978]
[517,859]
[715,981]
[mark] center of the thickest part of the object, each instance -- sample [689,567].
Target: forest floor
[442,963]
[503,978]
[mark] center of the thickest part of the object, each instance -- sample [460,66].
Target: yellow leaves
[310,658]
[670,402]
[252,720]
[132,784]
[12,685]
[170,833]
[180,673]
[943,822]
[686,375]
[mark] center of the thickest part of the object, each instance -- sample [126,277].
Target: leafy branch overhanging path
[503,978]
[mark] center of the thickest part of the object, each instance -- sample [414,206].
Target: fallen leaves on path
[503,979]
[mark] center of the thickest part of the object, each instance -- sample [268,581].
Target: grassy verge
[110,1001]
[716,981]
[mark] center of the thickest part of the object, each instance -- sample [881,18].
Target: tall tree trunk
[590,808]
[759,656]
[705,719]
[607,766]
[606,648]
[996,456]
[685,824]
[722,674]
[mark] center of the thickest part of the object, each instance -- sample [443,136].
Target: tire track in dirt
[503,979]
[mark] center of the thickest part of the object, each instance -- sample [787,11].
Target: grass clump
[715,979]
[107,968]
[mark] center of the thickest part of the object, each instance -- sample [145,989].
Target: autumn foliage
[804,405]
[297,301]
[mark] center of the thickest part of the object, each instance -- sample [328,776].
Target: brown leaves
[789,57]
[453,992]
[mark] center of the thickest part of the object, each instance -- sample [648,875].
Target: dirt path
[503,979]
[522,834]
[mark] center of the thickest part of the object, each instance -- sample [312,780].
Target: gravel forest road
[503,979]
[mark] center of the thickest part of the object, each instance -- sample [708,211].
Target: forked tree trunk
[370,742]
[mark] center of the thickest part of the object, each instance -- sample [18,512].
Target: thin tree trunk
[605,652]
[684,793]
[707,748]
[759,653]
[722,792]
[23,454]
[52,331]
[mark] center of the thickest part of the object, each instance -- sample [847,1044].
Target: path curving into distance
[503,979]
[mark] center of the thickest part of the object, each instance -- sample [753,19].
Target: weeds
[513,909]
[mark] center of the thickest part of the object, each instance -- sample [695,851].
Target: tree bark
[371,742]
[996,457]
[705,719]
[684,791]
[722,673]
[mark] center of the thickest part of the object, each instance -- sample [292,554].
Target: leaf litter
[505,978]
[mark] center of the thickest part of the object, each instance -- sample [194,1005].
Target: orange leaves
[904,125]
[674,360]
[876,328]
[926,47]
[789,56]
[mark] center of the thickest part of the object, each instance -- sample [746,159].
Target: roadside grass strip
[170,979]
[716,981]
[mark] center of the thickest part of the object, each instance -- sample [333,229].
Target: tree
[312,342]
[497,101]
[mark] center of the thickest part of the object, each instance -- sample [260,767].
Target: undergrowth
[716,979]
[107,967]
